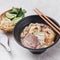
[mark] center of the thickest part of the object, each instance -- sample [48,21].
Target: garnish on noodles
[37,36]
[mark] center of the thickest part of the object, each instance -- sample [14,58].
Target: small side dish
[37,36]
[9,18]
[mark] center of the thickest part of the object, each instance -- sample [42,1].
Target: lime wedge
[10,16]
[15,20]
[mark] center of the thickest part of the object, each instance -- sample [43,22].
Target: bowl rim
[31,48]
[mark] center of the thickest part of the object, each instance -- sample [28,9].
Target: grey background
[51,8]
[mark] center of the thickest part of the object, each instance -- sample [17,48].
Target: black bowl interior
[25,22]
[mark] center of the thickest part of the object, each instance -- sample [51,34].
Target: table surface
[51,8]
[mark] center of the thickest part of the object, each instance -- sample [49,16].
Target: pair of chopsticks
[48,21]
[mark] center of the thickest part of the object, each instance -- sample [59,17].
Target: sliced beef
[31,41]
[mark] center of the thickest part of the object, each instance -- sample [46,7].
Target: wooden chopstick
[47,20]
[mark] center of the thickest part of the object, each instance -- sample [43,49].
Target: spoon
[4,41]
